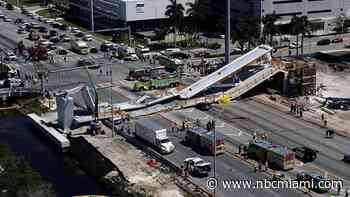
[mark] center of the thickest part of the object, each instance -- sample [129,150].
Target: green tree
[300,26]
[197,13]
[270,28]
[175,12]
[17,178]
[9,6]
[245,30]
[339,23]
[58,8]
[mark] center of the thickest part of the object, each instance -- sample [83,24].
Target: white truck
[153,133]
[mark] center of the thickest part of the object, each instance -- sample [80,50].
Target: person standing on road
[65,59]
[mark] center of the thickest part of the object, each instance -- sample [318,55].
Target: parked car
[87,37]
[93,50]
[20,31]
[305,154]
[2,15]
[79,34]
[337,40]
[10,56]
[34,25]
[6,19]
[75,30]
[13,82]
[66,38]
[55,39]
[132,57]
[18,21]
[89,63]
[314,178]
[64,27]
[53,33]
[43,29]
[324,42]
[56,25]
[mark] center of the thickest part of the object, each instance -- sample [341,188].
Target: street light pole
[228,31]
[214,163]
[111,80]
[92,15]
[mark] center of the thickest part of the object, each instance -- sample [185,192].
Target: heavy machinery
[197,166]
[153,84]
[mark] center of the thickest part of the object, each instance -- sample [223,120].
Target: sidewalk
[340,126]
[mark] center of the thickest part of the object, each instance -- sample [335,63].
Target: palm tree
[304,29]
[270,28]
[300,25]
[197,12]
[175,12]
[295,24]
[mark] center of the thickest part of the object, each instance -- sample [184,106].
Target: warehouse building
[323,11]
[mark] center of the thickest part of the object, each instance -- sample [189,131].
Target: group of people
[108,72]
[148,58]
[297,109]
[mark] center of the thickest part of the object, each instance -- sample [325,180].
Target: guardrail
[252,82]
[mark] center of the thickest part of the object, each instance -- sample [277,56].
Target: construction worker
[346,193]
[254,135]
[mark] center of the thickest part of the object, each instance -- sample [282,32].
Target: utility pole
[228,31]
[111,79]
[214,163]
[92,15]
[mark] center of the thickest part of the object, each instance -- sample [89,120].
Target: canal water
[61,171]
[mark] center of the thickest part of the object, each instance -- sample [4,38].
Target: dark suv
[324,42]
[305,154]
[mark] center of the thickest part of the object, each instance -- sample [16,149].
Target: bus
[80,47]
[274,154]
[171,64]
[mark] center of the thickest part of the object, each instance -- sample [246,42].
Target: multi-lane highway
[247,116]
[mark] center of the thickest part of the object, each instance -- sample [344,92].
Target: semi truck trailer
[154,134]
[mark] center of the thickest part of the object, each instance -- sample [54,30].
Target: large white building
[139,13]
[316,10]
